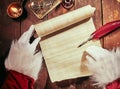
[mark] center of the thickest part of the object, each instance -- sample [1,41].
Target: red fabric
[15,80]
[114,85]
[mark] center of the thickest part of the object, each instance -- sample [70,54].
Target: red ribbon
[114,85]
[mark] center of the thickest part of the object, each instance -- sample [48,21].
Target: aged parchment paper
[62,57]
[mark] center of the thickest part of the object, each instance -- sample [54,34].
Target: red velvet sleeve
[15,80]
[114,85]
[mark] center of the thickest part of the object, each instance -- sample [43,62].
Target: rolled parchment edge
[62,21]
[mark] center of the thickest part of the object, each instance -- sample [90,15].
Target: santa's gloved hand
[104,65]
[23,56]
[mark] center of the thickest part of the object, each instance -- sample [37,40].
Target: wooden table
[106,10]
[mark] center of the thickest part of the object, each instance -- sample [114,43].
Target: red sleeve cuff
[16,80]
[114,85]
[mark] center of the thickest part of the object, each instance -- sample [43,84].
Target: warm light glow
[14,9]
[118,1]
[32,3]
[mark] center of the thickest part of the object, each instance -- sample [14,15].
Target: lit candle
[14,10]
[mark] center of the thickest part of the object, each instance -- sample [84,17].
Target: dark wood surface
[106,10]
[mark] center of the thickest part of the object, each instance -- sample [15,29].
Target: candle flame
[14,9]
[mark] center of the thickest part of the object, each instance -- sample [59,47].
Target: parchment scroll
[64,20]
[62,57]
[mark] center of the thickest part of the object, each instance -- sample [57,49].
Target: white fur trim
[23,61]
[22,57]
[105,67]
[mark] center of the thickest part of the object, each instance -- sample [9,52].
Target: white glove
[104,65]
[23,57]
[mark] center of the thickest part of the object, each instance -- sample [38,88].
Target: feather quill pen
[102,31]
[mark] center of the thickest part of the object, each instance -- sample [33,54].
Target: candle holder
[68,4]
[15,10]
